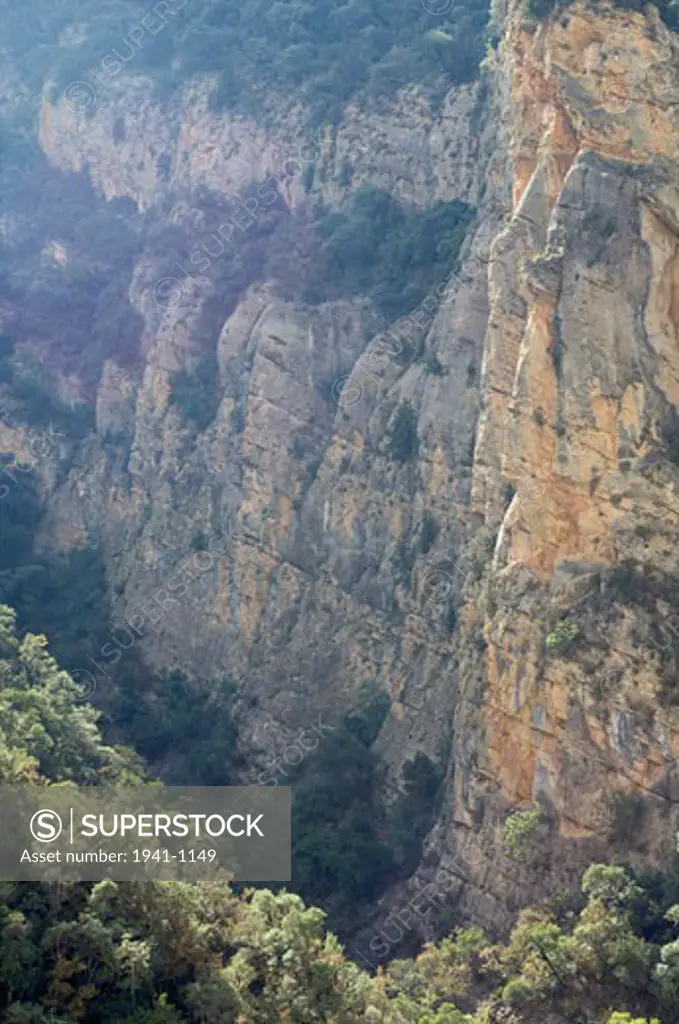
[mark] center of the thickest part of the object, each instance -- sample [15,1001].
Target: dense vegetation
[347,845]
[404,442]
[181,953]
[176,953]
[263,52]
[375,246]
[340,858]
[103,953]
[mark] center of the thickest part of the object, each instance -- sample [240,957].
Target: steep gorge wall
[323,583]
[554,541]
[568,672]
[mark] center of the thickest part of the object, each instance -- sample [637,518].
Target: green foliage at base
[185,730]
[348,847]
[20,515]
[64,596]
[628,816]
[339,857]
[47,731]
[414,813]
[179,953]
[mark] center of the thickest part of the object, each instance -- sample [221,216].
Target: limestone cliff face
[547,446]
[324,581]
[137,147]
[567,657]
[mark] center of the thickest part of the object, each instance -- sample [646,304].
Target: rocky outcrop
[135,146]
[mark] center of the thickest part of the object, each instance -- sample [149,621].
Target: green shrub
[508,493]
[627,1018]
[198,541]
[563,636]
[196,393]
[517,992]
[517,832]
[298,448]
[429,533]
[20,515]
[184,728]
[64,596]
[404,443]
[628,816]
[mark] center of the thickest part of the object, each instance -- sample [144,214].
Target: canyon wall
[567,645]
[322,582]
[526,641]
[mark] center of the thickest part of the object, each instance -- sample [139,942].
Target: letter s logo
[45,826]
